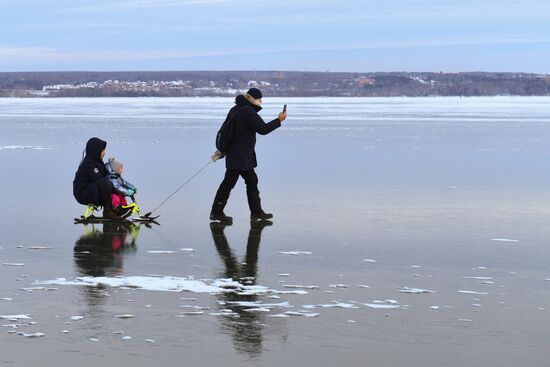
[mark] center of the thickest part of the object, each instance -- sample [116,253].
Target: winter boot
[217,214]
[255,205]
[108,213]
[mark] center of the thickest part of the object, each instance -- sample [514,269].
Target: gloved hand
[131,192]
[217,155]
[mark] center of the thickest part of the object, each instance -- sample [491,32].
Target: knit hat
[254,93]
[115,165]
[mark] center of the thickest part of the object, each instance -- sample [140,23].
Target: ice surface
[32,289]
[39,248]
[76,318]
[160,252]
[187,249]
[369,260]
[504,240]
[339,305]
[13,264]
[125,316]
[193,313]
[478,278]
[257,309]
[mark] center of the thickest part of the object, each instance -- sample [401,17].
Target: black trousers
[105,190]
[229,181]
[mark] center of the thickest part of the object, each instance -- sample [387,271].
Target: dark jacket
[90,170]
[241,155]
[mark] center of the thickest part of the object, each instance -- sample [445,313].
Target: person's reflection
[101,253]
[247,329]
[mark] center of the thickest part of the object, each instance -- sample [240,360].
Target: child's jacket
[123,187]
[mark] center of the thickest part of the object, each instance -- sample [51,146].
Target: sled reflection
[100,253]
[247,329]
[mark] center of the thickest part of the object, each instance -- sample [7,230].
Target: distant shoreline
[273,83]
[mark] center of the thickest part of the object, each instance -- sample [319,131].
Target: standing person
[91,185]
[240,158]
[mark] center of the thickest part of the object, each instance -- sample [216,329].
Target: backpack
[224,137]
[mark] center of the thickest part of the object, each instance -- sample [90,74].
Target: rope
[181,186]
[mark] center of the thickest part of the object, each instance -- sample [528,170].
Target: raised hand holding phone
[282,115]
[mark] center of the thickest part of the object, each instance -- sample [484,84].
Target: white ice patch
[76,318]
[259,304]
[300,292]
[415,290]
[381,306]
[504,240]
[125,316]
[339,305]
[160,252]
[166,284]
[39,248]
[31,335]
[471,292]
[187,249]
[369,260]
[15,317]
[301,286]
[295,253]
[339,286]
[13,264]
[24,147]
[33,289]
[478,278]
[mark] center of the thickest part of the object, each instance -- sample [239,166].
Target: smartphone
[284,108]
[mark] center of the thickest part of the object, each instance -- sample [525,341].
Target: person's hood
[94,146]
[247,100]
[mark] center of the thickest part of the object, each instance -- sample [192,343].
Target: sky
[299,35]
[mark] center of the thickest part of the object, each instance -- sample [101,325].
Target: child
[122,188]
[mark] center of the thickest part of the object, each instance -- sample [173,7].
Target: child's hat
[115,165]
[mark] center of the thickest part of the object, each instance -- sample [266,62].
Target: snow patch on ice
[415,290]
[15,317]
[25,147]
[295,253]
[471,292]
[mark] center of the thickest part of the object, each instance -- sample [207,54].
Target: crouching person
[90,184]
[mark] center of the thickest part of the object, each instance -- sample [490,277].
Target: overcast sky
[316,35]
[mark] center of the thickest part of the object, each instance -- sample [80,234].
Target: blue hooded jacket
[122,186]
